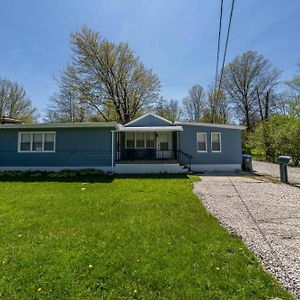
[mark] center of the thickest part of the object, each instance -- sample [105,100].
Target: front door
[164,145]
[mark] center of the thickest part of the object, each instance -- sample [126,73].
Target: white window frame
[211,141]
[31,141]
[135,147]
[205,133]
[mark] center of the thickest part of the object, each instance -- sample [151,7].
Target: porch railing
[184,159]
[146,154]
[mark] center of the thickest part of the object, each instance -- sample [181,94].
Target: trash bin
[283,162]
[247,162]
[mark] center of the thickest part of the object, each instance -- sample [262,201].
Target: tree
[14,102]
[249,81]
[169,110]
[294,83]
[283,134]
[108,77]
[292,100]
[218,109]
[66,108]
[194,104]
[289,104]
[65,105]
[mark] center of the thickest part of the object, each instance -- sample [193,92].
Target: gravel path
[265,215]
[273,170]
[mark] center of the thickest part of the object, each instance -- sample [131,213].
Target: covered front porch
[151,145]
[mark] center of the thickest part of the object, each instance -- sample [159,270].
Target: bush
[63,174]
[279,136]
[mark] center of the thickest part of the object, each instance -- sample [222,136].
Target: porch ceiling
[121,128]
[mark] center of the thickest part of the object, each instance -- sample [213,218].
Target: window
[130,140]
[150,140]
[25,141]
[36,141]
[216,142]
[140,140]
[201,142]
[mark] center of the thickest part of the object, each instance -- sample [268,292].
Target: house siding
[75,147]
[230,144]
[149,120]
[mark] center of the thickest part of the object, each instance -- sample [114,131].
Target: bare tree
[108,77]
[175,111]
[65,105]
[195,103]
[218,108]
[249,81]
[14,102]
[294,83]
[169,110]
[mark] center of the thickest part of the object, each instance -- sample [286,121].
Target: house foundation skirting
[148,168]
[216,167]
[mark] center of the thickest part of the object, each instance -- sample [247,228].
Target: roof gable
[149,120]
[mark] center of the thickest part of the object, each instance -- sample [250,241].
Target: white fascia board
[226,126]
[122,128]
[59,125]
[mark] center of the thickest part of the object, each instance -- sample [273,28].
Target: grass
[120,238]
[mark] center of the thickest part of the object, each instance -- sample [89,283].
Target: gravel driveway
[267,217]
[273,170]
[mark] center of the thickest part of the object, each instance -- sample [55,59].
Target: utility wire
[218,48]
[226,46]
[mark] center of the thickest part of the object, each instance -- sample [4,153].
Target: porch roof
[121,128]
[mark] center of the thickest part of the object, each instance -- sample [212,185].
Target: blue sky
[176,38]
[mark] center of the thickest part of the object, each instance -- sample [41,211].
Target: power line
[219,39]
[226,45]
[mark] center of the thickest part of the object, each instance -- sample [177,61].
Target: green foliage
[67,175]
[279,136]
[128,238]
[104,79]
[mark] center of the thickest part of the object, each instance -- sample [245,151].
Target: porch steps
[138,168]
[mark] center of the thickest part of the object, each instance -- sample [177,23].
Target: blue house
[148,144]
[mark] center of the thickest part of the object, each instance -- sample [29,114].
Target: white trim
[148,168]
[122,128]
[216,151]
[201,151]
[54,169]
[31,141]
[225,126]
[148,114]
[216,167]
[41,126]
[112,149]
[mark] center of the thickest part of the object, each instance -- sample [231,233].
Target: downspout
[112,149]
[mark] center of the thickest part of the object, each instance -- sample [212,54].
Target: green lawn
[120,238]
